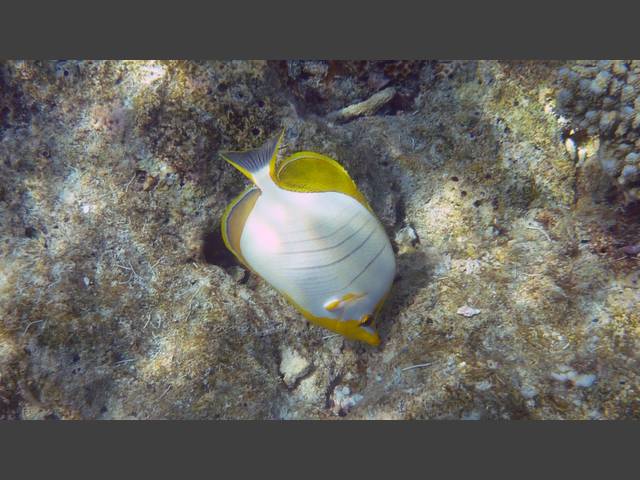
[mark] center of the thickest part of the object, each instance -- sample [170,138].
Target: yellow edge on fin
[242,170]
[246,172]
[225,219]
[347,328]
[318,173]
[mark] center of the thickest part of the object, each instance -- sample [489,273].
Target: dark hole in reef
[463,193]
[222,87]
[255,131]
[400,103]
[214,250]
[117,356]
[455,179]
[477,203]
[632,211]
[30,232]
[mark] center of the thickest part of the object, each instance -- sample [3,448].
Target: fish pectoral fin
[335,304]
[332,305]
[350,297]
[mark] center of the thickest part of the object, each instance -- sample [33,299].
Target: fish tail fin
[254,164]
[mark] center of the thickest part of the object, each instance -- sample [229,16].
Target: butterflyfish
[305,228]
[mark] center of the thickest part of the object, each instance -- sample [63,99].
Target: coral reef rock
[602,99]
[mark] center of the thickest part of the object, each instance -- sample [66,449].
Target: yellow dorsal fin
[313,172]
[234,218]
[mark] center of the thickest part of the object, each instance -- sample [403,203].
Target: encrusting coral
[602,99]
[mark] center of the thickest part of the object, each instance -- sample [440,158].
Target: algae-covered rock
[118,298]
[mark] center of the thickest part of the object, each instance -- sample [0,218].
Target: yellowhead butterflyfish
[305,228]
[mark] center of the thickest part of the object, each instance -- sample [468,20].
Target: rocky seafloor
[508,189]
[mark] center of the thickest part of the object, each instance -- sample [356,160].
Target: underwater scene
[324,240]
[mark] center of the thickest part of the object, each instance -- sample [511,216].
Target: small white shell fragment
[87,208]
[483,386]
[570,146]
[584,380]
[467,311]
[528,391]
[582,154]
[565,373]
[472,266]
[343,399]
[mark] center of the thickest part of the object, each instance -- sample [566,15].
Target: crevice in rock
[214,251]
[328,403]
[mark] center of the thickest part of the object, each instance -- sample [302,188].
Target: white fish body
[324,250]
